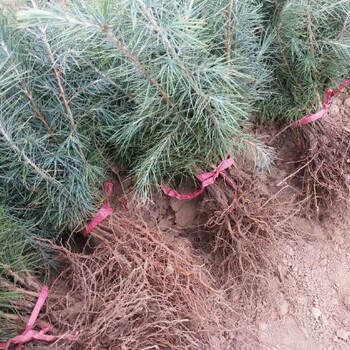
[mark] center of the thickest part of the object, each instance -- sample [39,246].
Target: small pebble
[347,102]
[334,110]
[283,308]
[324,320]
[289,250]
[324,262]
[339,240]
[170,269]
[263,327]
[347,302]
[343,334]
[316,312]
[338,101]
[302,300]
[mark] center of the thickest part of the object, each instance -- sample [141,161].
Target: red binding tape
[205,179]
[330,94]
[30,334]
[105,211]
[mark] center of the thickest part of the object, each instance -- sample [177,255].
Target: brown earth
[308,305]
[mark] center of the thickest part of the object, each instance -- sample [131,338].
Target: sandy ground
[308,307]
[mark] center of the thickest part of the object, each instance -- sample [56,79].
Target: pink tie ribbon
[205,180]
[30,334]
[330,94]
[105,211]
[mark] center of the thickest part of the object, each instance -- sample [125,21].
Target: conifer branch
[282,53]
[190,7]
[309,52]
[170,49]
[58,76]
[153,22]
[344,27]
[38,112]
[136,62]
[184,106]
[19,258]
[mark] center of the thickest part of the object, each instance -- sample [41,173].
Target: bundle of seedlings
[135,290]
[49,166]
[310,56]
[180,78]
[165,88]
[19,267]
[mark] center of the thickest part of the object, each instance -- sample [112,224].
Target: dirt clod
[316,313]
[284,308]
[343,334]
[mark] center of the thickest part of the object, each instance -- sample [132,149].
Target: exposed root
[135,291]
[244,236]
[324,169]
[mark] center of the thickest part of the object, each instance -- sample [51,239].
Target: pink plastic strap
[29,333]
[205,179]
[105,211]
[330,94]
[38,306]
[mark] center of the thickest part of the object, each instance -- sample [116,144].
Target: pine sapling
[186,76]
[310,53]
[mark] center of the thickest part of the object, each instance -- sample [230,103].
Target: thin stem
[156,27]
[82,90]
[39,114]
[190,8]
[10,317]
[311,39]
[344,28]
[284,58]
[27,281]
[26,159]
[19,290]
[25,90]
[134,59]
[229,32]
[57,73]
[58,76]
